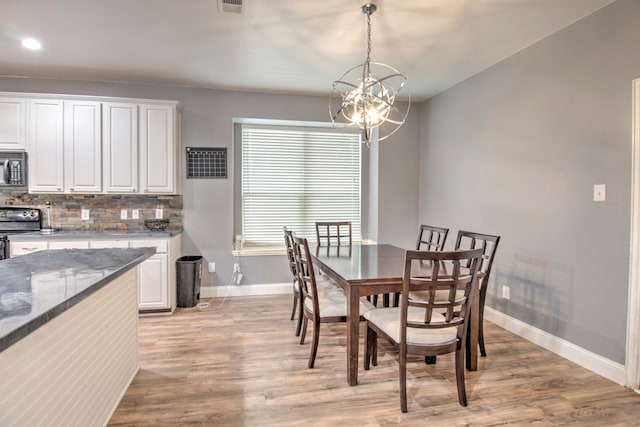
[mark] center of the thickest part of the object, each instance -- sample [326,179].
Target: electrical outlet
[123,214]
[506,292]
[84,214]
[158,213]
[135,213]
[212,267]
[600,193]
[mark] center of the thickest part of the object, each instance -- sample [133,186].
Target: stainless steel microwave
[13,169]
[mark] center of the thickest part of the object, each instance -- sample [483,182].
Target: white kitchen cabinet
[157,275]
[45,144]
[64,146]
[120,147]
[23,248]
[13,123]
[82,147]
[158,148]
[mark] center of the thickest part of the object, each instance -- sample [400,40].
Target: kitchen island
[68,334]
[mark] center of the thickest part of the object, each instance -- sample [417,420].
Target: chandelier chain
[368,38]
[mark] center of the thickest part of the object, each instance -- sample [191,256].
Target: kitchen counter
[35,288]
[89,235]
[69,335]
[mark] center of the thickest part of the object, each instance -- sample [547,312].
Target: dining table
[371,269]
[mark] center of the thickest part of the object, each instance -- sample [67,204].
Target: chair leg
[430,360]
[370,345]
[295,305]
[396,299]
[314,344]
[483,352]
[300,315]
[460,367]
[303,334]
[403,381]
[385,300]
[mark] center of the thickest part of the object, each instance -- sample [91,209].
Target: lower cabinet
[157,291]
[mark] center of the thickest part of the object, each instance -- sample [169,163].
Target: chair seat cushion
[333,302]
[388,320]
[441,295]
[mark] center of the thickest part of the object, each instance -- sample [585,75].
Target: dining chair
[297,299]
[489,245]
[320,304]
[432,325]
[333,233]
[430,238]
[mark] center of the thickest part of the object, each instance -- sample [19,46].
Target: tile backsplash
[104,210]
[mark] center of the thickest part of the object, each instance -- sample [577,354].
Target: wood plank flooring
[241,365]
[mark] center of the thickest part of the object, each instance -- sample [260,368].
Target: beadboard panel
[75,369]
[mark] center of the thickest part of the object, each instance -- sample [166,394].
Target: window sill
[265,251]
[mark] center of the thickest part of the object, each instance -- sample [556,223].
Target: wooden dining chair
[320,304]
[333,233]
[489,245]
[430,238]
[431,326]
[297,299]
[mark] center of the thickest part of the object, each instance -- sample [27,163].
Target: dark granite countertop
[94,235]
[37,287]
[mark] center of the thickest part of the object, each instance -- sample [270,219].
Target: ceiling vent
[231,6]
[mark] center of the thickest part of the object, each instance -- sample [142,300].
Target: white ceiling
[282,46]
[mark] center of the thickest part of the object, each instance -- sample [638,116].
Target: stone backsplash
[104,210]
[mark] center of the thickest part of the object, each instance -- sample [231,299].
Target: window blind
[295,176]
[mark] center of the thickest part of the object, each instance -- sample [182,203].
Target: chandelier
[365,95]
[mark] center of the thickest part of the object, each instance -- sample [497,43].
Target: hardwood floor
[241,365]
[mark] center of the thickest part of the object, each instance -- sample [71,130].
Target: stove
[14,220]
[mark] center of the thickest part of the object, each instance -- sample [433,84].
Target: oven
[14,220]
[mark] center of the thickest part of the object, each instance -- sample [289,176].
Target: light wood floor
[241,365]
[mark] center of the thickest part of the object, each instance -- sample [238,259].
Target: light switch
[84,214]
[135,213]
[599,193]
[123,214]
[159,213]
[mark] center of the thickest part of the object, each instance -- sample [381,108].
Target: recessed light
[31,44]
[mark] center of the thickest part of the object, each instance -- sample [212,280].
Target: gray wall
[208,204]
[515,150]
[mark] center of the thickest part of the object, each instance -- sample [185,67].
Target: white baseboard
[598,364]
[245,290]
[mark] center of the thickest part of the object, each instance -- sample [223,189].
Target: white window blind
[295,176]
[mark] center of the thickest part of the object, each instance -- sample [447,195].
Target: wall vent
[231,6]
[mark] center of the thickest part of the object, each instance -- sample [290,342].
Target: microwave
[13,169]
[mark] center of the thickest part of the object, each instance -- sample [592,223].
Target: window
[295,176]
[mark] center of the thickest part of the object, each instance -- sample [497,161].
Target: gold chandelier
[365,96]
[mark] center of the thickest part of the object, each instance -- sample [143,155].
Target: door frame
[632,362]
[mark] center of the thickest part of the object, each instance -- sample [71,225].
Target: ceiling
[279,46]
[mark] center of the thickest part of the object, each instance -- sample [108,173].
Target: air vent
[231,6]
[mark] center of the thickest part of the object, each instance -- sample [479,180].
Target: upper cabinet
[64,146]
[13,123]
[157,148]
[120,137]
[79,144]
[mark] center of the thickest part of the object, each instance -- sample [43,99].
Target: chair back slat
[288,242]
[305,272]
[333,233]
[431,238]
[489,245]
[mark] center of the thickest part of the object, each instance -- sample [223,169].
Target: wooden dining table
[363,270]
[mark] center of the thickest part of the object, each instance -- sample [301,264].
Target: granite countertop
[37,287]
[90,235]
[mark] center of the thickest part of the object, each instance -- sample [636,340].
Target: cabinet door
[120,147]
[152,283]
[45,145]
[23,248]
[13,124]
[102,244]
[157,148]
[82,147]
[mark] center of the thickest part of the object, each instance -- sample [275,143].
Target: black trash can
[189,276]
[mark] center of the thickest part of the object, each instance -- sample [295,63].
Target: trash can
[189,276]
